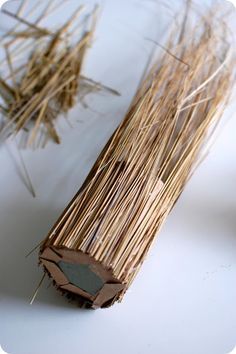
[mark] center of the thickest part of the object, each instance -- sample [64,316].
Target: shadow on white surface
[19,275]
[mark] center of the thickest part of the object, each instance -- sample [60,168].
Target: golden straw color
[50,81]
[97,246]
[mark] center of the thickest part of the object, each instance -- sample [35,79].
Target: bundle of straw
[50,81]
[97,246]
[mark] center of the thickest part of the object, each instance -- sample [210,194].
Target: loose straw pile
[112,221]
[50,82]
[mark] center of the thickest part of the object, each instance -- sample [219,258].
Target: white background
[183,300]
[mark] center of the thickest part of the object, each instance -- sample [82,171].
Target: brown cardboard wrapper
[103,288]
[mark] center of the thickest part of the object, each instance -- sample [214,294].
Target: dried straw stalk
[100,241]
[50,81]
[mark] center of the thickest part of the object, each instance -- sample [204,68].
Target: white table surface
[183,299]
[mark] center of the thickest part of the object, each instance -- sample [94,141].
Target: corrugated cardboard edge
[106,296]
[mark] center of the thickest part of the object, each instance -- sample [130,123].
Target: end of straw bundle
[80,274]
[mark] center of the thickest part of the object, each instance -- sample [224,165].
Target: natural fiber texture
[144,167]
[50,82]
